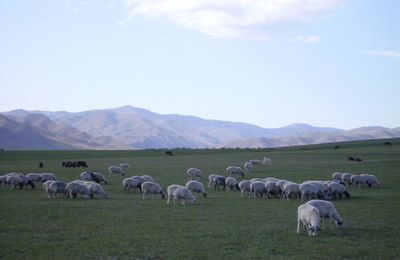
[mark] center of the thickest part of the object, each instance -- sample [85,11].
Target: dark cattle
[74,164]
[336,147]
[169,153]
[354,159]
[387,143]
[40,165]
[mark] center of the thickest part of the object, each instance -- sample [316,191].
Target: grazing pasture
[221,226]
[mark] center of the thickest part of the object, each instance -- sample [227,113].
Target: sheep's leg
[298,225]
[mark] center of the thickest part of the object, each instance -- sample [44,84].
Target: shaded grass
[223,226]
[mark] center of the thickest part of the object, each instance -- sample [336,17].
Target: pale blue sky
[266,62]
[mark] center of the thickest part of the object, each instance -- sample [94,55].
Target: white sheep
[116,170]
[327,210]
[231,183]
[255,161]
[93,176]
[55,187]
[248,166]
[337,190]
[46,187]
[346,177]
[196,187]
[96,189]
[183,194]
[131,183]
[170,190]
[124,165]
[75,188]
[371,179]
[322,187]
[358,180]
[194,172]
[266,160]
[245,188]
[257,179]
[211,179]
[309,217]
[151,187]
[35,177]
[3,180]
[234,170]
[271,188]
[337,176]
[19,180]
[258,189]
[291,189]
[48,177]
[147,178]
[140,179]
[308,191]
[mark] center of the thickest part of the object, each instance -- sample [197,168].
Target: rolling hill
[129,127]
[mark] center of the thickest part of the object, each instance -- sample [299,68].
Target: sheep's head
[339,223]
[193,201]
[205,194]
[313,230]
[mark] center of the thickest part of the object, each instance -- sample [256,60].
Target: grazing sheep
[257,179]
[291,189]
[322,188]
[245,188]
[96,189]
[115,170]
[266,160]
[255,162]
[93,176]
[3,180]
[140,179]
[19,180]
[196,186]
[211,180]
[183,194]
[258,189]
[337,176]
[234,170]
[371,179]
[124,165]
[151,187]
[271,179]
[148,178]
[271,188]
[131,183]
[194,172]
[75,188]
[170,190]
[360,181]
[231,183]
[35,177]
[346,177]
[56,187]
[309,217]
[48,177]
[327,210]
[309,191]
[337,190]
[280,184]
[219,183]
[248,166]
[46,187]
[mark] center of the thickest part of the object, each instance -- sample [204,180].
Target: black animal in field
[336,147]
[169,153]
[41,165]
[354,159]
[74,164]
[387,143]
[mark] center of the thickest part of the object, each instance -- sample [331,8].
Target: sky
[271,63]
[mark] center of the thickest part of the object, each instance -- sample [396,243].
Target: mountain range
[129,127]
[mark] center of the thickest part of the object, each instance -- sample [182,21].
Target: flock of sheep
[315,193]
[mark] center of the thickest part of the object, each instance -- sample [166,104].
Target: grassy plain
[223,226]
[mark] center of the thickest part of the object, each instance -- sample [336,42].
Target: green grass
[223,226]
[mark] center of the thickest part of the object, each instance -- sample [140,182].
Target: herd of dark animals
[74,164]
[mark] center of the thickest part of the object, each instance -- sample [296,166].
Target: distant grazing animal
[336,147]
[255,162]
[354,159]
[124,165]
[170,190]
[169,153]
[40,165]
[116,170]
[245,188]
[131,184]
[231,183]
[74,164]
[387,143]
[219,183]
[248,166]
[309,217]
[234,170]
[194,172]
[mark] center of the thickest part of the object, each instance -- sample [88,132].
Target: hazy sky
[266,62]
